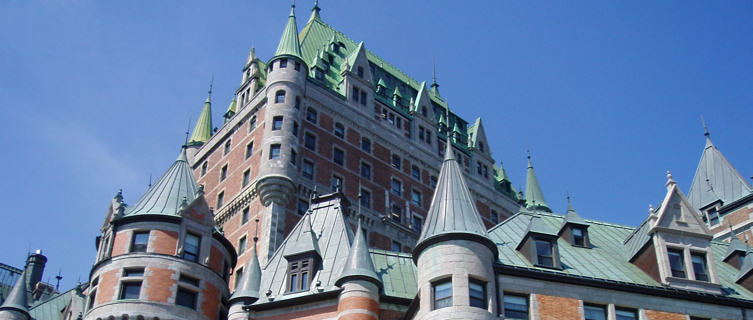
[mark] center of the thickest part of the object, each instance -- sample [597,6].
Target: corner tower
[454,256]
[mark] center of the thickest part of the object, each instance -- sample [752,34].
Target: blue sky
[96,95]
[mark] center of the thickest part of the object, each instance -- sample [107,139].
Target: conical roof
[304,240]
[359,265]
[231,108]
[453,211]
[572,216]
[166,195]
[315,11]
[248,289]
[716,179]
[202,131]
[534,196]
[16,299]
[289,45]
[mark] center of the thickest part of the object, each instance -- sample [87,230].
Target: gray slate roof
[735,245]
[166,195]
[17,299]
[359,264]
[250,280]
[716,179]
[303,239]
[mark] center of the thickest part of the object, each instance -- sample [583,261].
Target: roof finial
[359,198]
[434,84]
[705,128]
[188,131]
[292,9]
[150,180]
[211,83]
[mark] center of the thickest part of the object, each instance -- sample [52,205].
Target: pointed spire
[359,266]
[250,281]
[231,109]
[289,45]
[572,216]
[166,195]
[534,196]
[434,84]
[304,238]
[251,55]
[16,299]
[315,11]
[202,131]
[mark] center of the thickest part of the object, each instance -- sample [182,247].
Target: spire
[359,266]
[250,281]
[230,109]
[251,55]
[534,196]
[289,45]
[452,214]
[434,84]
[165,196]
[16,299]
[315,11]
[202,131]
[571,216]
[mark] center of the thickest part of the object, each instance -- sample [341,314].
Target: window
[299,272]
[338,156]
[363,98]
[366,144]
[241,245]
[356,93]
[421,134]
[713,216]
[283,63]
[227,147]
[130,290]
[339,130]
[481,146]
[186,298]
[191,247]
[302,207]
[699,266]
[307,169]
[295,128]
[297,66]
[579,237]
[337,183]
[396,161]
[133,272]
[544,255]
[478,167]
[417,198]
[494,217]
[397,187]
[223,173]
[246,177]
[274,151]
[365,170]
[360,72]
[249,149]
[309,141]
[442,294]
[276,123]
[365,198]
[594,312]
[433,181]
[415,172]
[416,223]
[311,114]
[298,102]
[189,280]
[244,216]
[280,96]
[238,274]
[92,298]
[293,157]
[396,212]
[139,241]
[252,124]
[625,314]
[516,307]
[220,199]
[676,263]
[395,246]
[204,168]
[477,293]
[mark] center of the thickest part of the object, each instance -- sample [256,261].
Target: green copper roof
[53,308]
[573,217]
[358,266]
[746,267]
[166,195]
[716,179]
[203,129]
[452,210]
[231,109]
[304,240]
[735,245]
[289,45]
[250,281]
[16,300]
[537,225]
[534,196]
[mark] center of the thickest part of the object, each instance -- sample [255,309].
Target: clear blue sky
[96,95]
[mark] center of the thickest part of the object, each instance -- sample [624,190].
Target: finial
[58,277]
[568,197]
[119,195]
[150,180]
[359,198]
[705,128]
[211,83]
[670,181]
[188,130]
[292,9]
[311,198]
[433,72]
[256,231]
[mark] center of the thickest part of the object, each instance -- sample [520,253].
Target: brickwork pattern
[557,308]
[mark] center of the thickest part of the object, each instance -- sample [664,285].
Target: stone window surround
[687,250]
[249,147]
[304,162]
[344,153]
[189,287]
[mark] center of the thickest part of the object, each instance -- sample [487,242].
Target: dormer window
[579,236]
[360,72]
[713,216]
[299,273]
[544,253]
[539,245]
[699,266]
[676,263]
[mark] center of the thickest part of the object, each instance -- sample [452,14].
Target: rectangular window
[295,128]
[189,280]
[191,247]
[220,199]
[303,206]
[311,114]
[204,168]
[92,298]
[625,314]
[363,98]
[238,274]
[186,298]
[713,217]
[280,96]
[249,149]
[365,171]
[396,161]
[338,156]
[337,183]
[516,307]
[676,263]
[252,124]
[223,173]
[365,198]
[477,293]
[579,238]
[227,147]
[421,133]
[307,169]
[397,187]
[415,172]
[433,181]
[297,66]
[442,294]
[396,212]
[139,241]
[283,63]
[309,141]
[130,290]
[699,266]
[339,130]
[494,217]
[366,144]
[298,274]
[356,93]
[133,272]
[246,177]
[244,216]
[395,246]
[241,245]
[293,157]
[274,152]
[416,223]
[417,198]
[276,123]
[594,312]
[544,255]
[478,167]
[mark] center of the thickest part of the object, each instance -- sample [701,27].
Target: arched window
[280,96]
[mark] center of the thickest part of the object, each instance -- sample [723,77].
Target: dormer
[356,77]
[303,256]
[735,253]
[574,229]
[745,277]
[539,244]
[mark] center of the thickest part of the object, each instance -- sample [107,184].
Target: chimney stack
[35,268]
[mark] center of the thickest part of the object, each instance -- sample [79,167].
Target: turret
[247,291]
[454,255]
[15,306]
[35,269]
[359,281]
[202,130]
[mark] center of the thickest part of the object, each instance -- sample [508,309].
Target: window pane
[699,266]
[136,272]
[595,313]
[544,253]
[186,298]
[293,282]
[443,295]
[578,238]
[280,96]
[191,247]
[516,307]
[140,240]
[304,280]
[274,151]
[276,123]
[477,294]
[676,263]
[130,290]
[623,314]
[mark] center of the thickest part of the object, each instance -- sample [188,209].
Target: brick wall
[211,304]
[557,308]
[164,242]
[108,281]
[159,282]
[661,315]
[120,245]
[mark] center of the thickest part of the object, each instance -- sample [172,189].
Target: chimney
[35,269]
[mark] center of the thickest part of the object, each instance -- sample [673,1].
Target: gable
[677,214]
